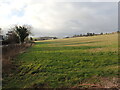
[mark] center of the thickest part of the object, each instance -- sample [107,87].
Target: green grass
[65,62]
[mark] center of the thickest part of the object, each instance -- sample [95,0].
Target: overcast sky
[60,18]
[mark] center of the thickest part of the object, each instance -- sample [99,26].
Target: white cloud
[59,18]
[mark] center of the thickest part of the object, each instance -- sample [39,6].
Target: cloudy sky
[60,18]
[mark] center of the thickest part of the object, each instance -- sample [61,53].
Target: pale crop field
[67,62]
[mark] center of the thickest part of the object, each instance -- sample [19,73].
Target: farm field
[62,63]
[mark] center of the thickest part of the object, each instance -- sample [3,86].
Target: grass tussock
[9,52]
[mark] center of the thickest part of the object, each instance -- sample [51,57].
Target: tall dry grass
[9,52]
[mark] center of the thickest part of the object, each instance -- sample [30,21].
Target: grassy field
[66,63]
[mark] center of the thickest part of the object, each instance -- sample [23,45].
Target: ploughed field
[70,62]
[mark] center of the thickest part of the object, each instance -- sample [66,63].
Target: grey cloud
[69,18]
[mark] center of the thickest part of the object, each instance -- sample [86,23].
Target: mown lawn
[65,62]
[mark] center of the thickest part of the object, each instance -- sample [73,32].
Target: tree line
[18,34]
[89,34]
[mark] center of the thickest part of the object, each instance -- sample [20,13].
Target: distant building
[0,37]
[47,38]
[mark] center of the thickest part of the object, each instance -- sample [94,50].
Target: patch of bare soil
[103,84]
